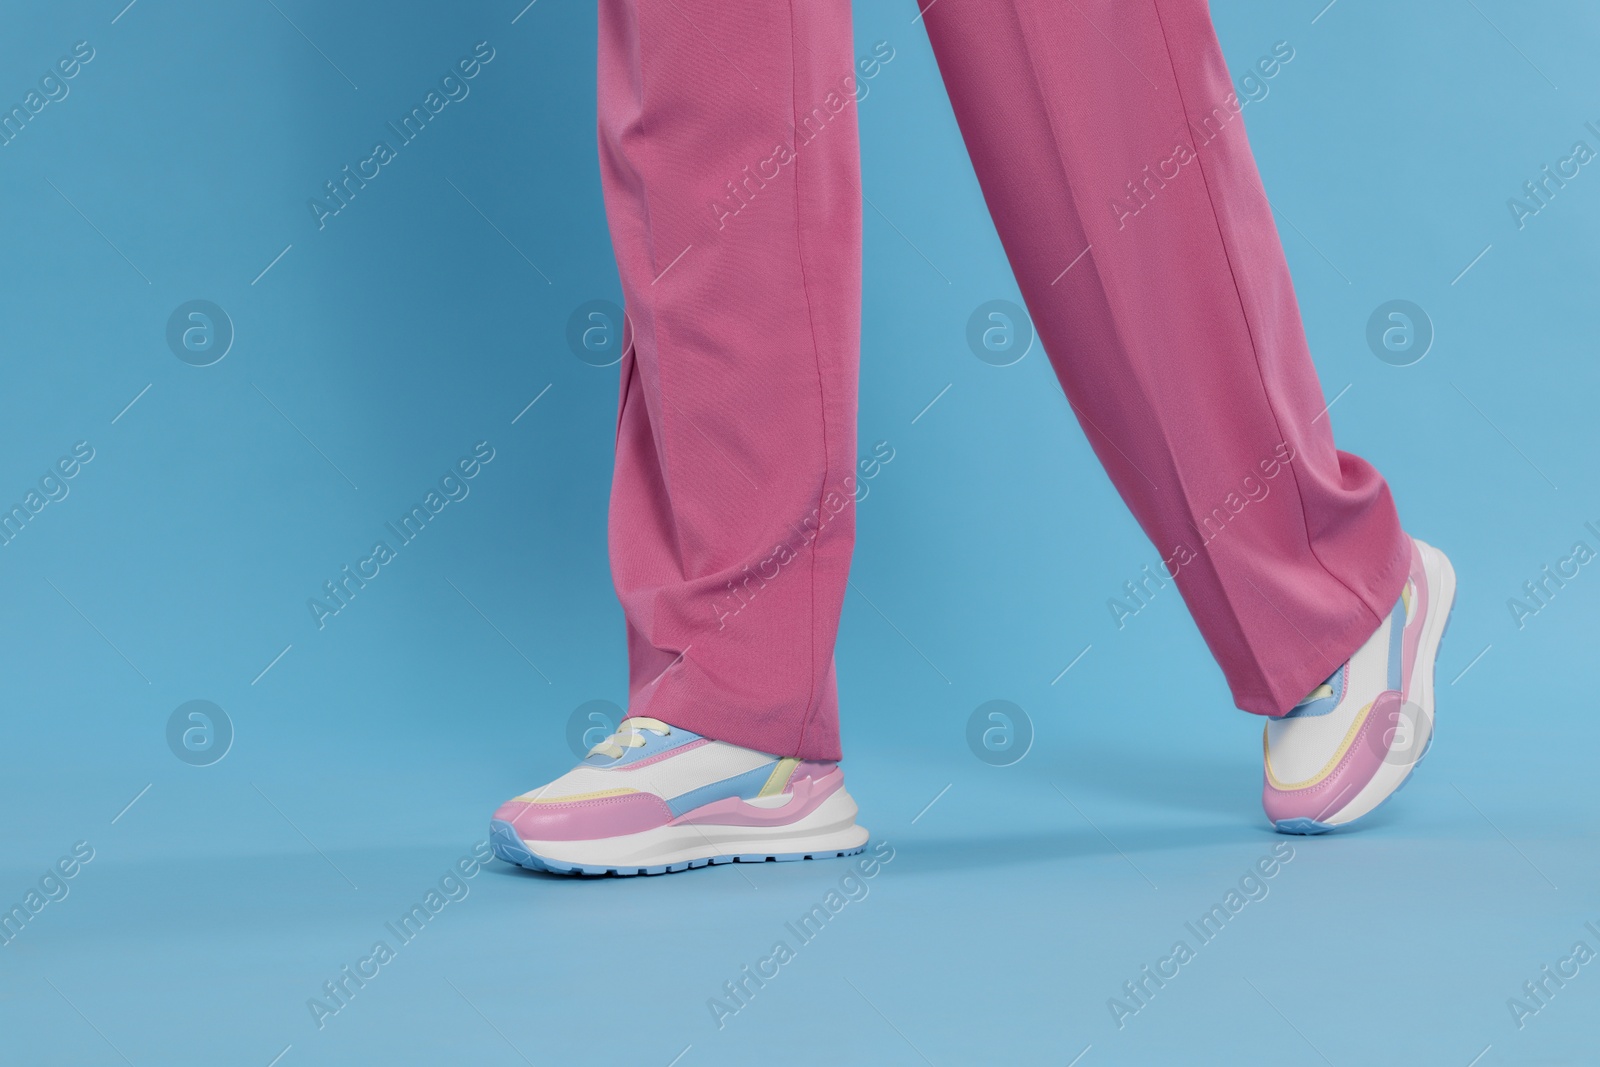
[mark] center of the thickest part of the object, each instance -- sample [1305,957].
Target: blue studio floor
[221,894]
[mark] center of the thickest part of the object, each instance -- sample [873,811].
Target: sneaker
[1352,743]
[653,798]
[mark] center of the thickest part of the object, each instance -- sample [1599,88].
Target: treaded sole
[508,846]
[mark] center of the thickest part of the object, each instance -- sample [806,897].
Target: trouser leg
[1108,142]
[731,175]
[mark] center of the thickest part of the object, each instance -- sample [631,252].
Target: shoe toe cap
[584,818]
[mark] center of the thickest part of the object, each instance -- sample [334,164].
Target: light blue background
[377,351]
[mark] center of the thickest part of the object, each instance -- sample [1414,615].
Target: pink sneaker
[1352,743]
[653,798]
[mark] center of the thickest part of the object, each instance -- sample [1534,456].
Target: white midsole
[830,828]
[1391,773]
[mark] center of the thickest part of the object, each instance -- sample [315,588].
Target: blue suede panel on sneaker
[744,785]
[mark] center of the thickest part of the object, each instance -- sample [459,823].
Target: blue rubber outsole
[509,846]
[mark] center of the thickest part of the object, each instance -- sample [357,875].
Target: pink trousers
[1107,139]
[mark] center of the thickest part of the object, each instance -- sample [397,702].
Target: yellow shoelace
[630,734]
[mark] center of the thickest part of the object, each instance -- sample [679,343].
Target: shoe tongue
[1323,690]
[1321,699]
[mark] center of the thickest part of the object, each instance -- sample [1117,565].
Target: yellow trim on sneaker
[779,778]
[1327,768]
[537,798]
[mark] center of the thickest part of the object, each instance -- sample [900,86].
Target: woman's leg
[728,154]
[729,158]
[1107,138]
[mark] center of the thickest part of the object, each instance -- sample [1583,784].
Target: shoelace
[630,734]
[1323,690]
